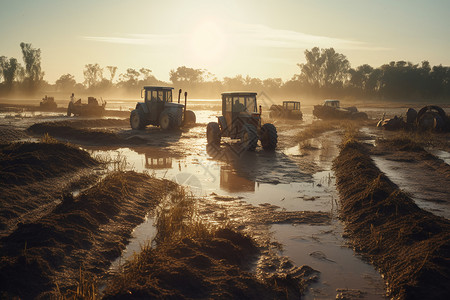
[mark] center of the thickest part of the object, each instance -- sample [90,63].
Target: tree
[112,72]
[129,79]
[92,74]
[324,68]
[66,83]
[9,68]
[186,75]
[32,60]
[311,71]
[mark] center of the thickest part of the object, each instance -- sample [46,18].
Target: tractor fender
[143,107]
[222,122]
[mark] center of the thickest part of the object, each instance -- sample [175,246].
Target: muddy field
[90,208]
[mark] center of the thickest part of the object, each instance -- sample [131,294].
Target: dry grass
[350,127]
[409,245]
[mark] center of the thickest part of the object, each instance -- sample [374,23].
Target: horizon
[259,39]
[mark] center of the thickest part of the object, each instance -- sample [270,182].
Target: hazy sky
[250,37]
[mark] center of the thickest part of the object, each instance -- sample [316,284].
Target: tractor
[331,109]
[241,120]
[160,110]
[289,110]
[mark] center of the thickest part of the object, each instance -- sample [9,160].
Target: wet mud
[44,257]
[416,171]
[409,245]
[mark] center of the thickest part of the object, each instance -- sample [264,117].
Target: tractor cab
[332,103]
[157,99]
[291,105]
[239,108]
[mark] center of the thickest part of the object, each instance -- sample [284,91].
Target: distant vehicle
[241,120]
[159,109]
[48,104]
[429,118]
[289,110]
[331,109]
[92,108]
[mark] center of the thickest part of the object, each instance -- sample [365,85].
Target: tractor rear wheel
[213,133]
[268,137]
[249,137]
[167,120]
[137,119]
[189,117]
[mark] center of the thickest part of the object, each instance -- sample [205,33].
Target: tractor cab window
[228,104]
[250,104]
[169,96]
[160,95]
[154,95]
[239,104]
[290,106]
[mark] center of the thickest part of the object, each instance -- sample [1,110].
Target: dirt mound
[85,232]
[24,163]
[215,266]
[9,134]
[76,133]
[93,123]
[409,245]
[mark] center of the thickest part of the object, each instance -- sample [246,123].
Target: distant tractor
[92,108]
[331,109]
[48,104]
[241,120]
[160,110]
[289,110]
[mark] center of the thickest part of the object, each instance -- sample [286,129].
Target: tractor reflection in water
[233,183]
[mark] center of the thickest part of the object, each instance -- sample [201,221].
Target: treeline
[325,74]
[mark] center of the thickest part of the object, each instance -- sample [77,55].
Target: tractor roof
[331,100]
[291,101]
[239,94]
[148,87]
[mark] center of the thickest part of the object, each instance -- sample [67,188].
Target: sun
[207,42]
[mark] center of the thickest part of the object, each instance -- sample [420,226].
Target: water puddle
[444,155]
[321,248]
[427,195]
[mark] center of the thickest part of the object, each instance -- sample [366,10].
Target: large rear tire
[167,120]
[137,121]
[268,137]
[249,137]
[213,133]
[190,117]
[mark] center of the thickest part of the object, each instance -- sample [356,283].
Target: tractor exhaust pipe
[185,103]
[179,95]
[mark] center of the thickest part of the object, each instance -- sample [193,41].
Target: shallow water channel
[282,179]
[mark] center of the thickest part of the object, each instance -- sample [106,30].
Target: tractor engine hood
[173,105]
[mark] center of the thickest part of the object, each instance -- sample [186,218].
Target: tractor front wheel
[213,133]
[249,137]
[137,119]
[167,120]
[268,137]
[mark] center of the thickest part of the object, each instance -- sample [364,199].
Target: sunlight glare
[207,42]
